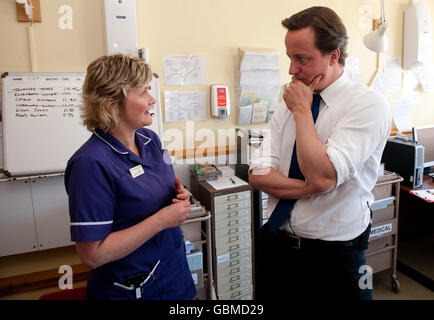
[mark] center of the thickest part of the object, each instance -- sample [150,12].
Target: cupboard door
[17,223]
[50,205]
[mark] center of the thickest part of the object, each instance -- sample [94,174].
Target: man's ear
[334,56]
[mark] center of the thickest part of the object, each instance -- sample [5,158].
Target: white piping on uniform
[91,223]
[117,284]
[149,139]
[109,144]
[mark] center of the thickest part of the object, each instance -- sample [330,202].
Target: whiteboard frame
[157,123]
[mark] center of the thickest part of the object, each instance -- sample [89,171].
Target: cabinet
[382,251]
[232,245]
[33,214]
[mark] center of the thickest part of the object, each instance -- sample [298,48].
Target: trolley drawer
[231,206]
[233,259]
[230,232]
[244,293]
[235,280]
[382,191]
[380,261]
[231,222]
[235,285]
[233,271]
[226,240]
[226,198]
[229,248]
[241,213]
[380,243]
[383,214]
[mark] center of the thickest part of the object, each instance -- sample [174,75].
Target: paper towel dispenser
[417,35]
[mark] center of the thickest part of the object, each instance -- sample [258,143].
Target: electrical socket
[21,14]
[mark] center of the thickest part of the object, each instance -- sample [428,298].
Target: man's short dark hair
[330,32]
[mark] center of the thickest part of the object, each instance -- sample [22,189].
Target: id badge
[137,171]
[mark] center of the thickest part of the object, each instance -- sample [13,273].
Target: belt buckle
[295,242]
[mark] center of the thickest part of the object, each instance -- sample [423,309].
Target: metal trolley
[203,234]
[383,247]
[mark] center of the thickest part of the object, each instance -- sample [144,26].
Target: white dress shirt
[354,123]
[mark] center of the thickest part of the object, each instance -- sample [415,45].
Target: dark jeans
[314,272]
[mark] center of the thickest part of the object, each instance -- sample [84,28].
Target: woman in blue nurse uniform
[125,202]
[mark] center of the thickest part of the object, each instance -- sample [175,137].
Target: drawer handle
[234,270]
[233,206]
[232,214]
[236,294]
[234,255]
[234,263]
[234,247]
[232,230]
[235,286]
[233,279]
[233,238]
[232,222]
[232,197]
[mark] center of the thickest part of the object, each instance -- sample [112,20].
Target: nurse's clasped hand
[175,214]
[181,193]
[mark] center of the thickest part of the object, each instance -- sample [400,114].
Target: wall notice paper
[253,59]
[268,91]
[352,70]
[401,115]
[410,82]
[245,114]
[180,70]
[379,83]
[259,79]
[426,79]
[254,75]
[393,72]
[185,105]
[224,183]
[259,114]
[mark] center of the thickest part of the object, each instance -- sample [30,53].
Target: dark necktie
[284,206]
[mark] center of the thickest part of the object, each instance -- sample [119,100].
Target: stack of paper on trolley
[227,182]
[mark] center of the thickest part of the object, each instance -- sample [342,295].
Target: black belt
[296,242]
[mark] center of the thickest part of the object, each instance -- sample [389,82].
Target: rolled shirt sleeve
[356,136]
[268,154]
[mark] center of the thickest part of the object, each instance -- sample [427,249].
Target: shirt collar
[331,94]
[116,145]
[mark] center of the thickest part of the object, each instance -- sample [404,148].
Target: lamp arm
[383,13]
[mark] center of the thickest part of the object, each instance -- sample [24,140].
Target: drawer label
[380,230]
[223,258]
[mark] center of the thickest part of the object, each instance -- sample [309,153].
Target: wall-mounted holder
[36,11]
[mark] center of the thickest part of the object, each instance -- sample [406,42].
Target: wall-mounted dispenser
[121,27]
[417,35]
[220,102]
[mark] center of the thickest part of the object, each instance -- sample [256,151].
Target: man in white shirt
[319,216]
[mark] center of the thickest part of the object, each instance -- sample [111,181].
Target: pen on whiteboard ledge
[232,180]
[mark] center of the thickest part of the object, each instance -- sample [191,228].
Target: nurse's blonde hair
[108,81]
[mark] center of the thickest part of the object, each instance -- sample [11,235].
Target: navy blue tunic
[104,197]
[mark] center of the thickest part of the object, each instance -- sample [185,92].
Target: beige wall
[216,28]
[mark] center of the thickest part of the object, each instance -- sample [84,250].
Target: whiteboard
[42,127]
